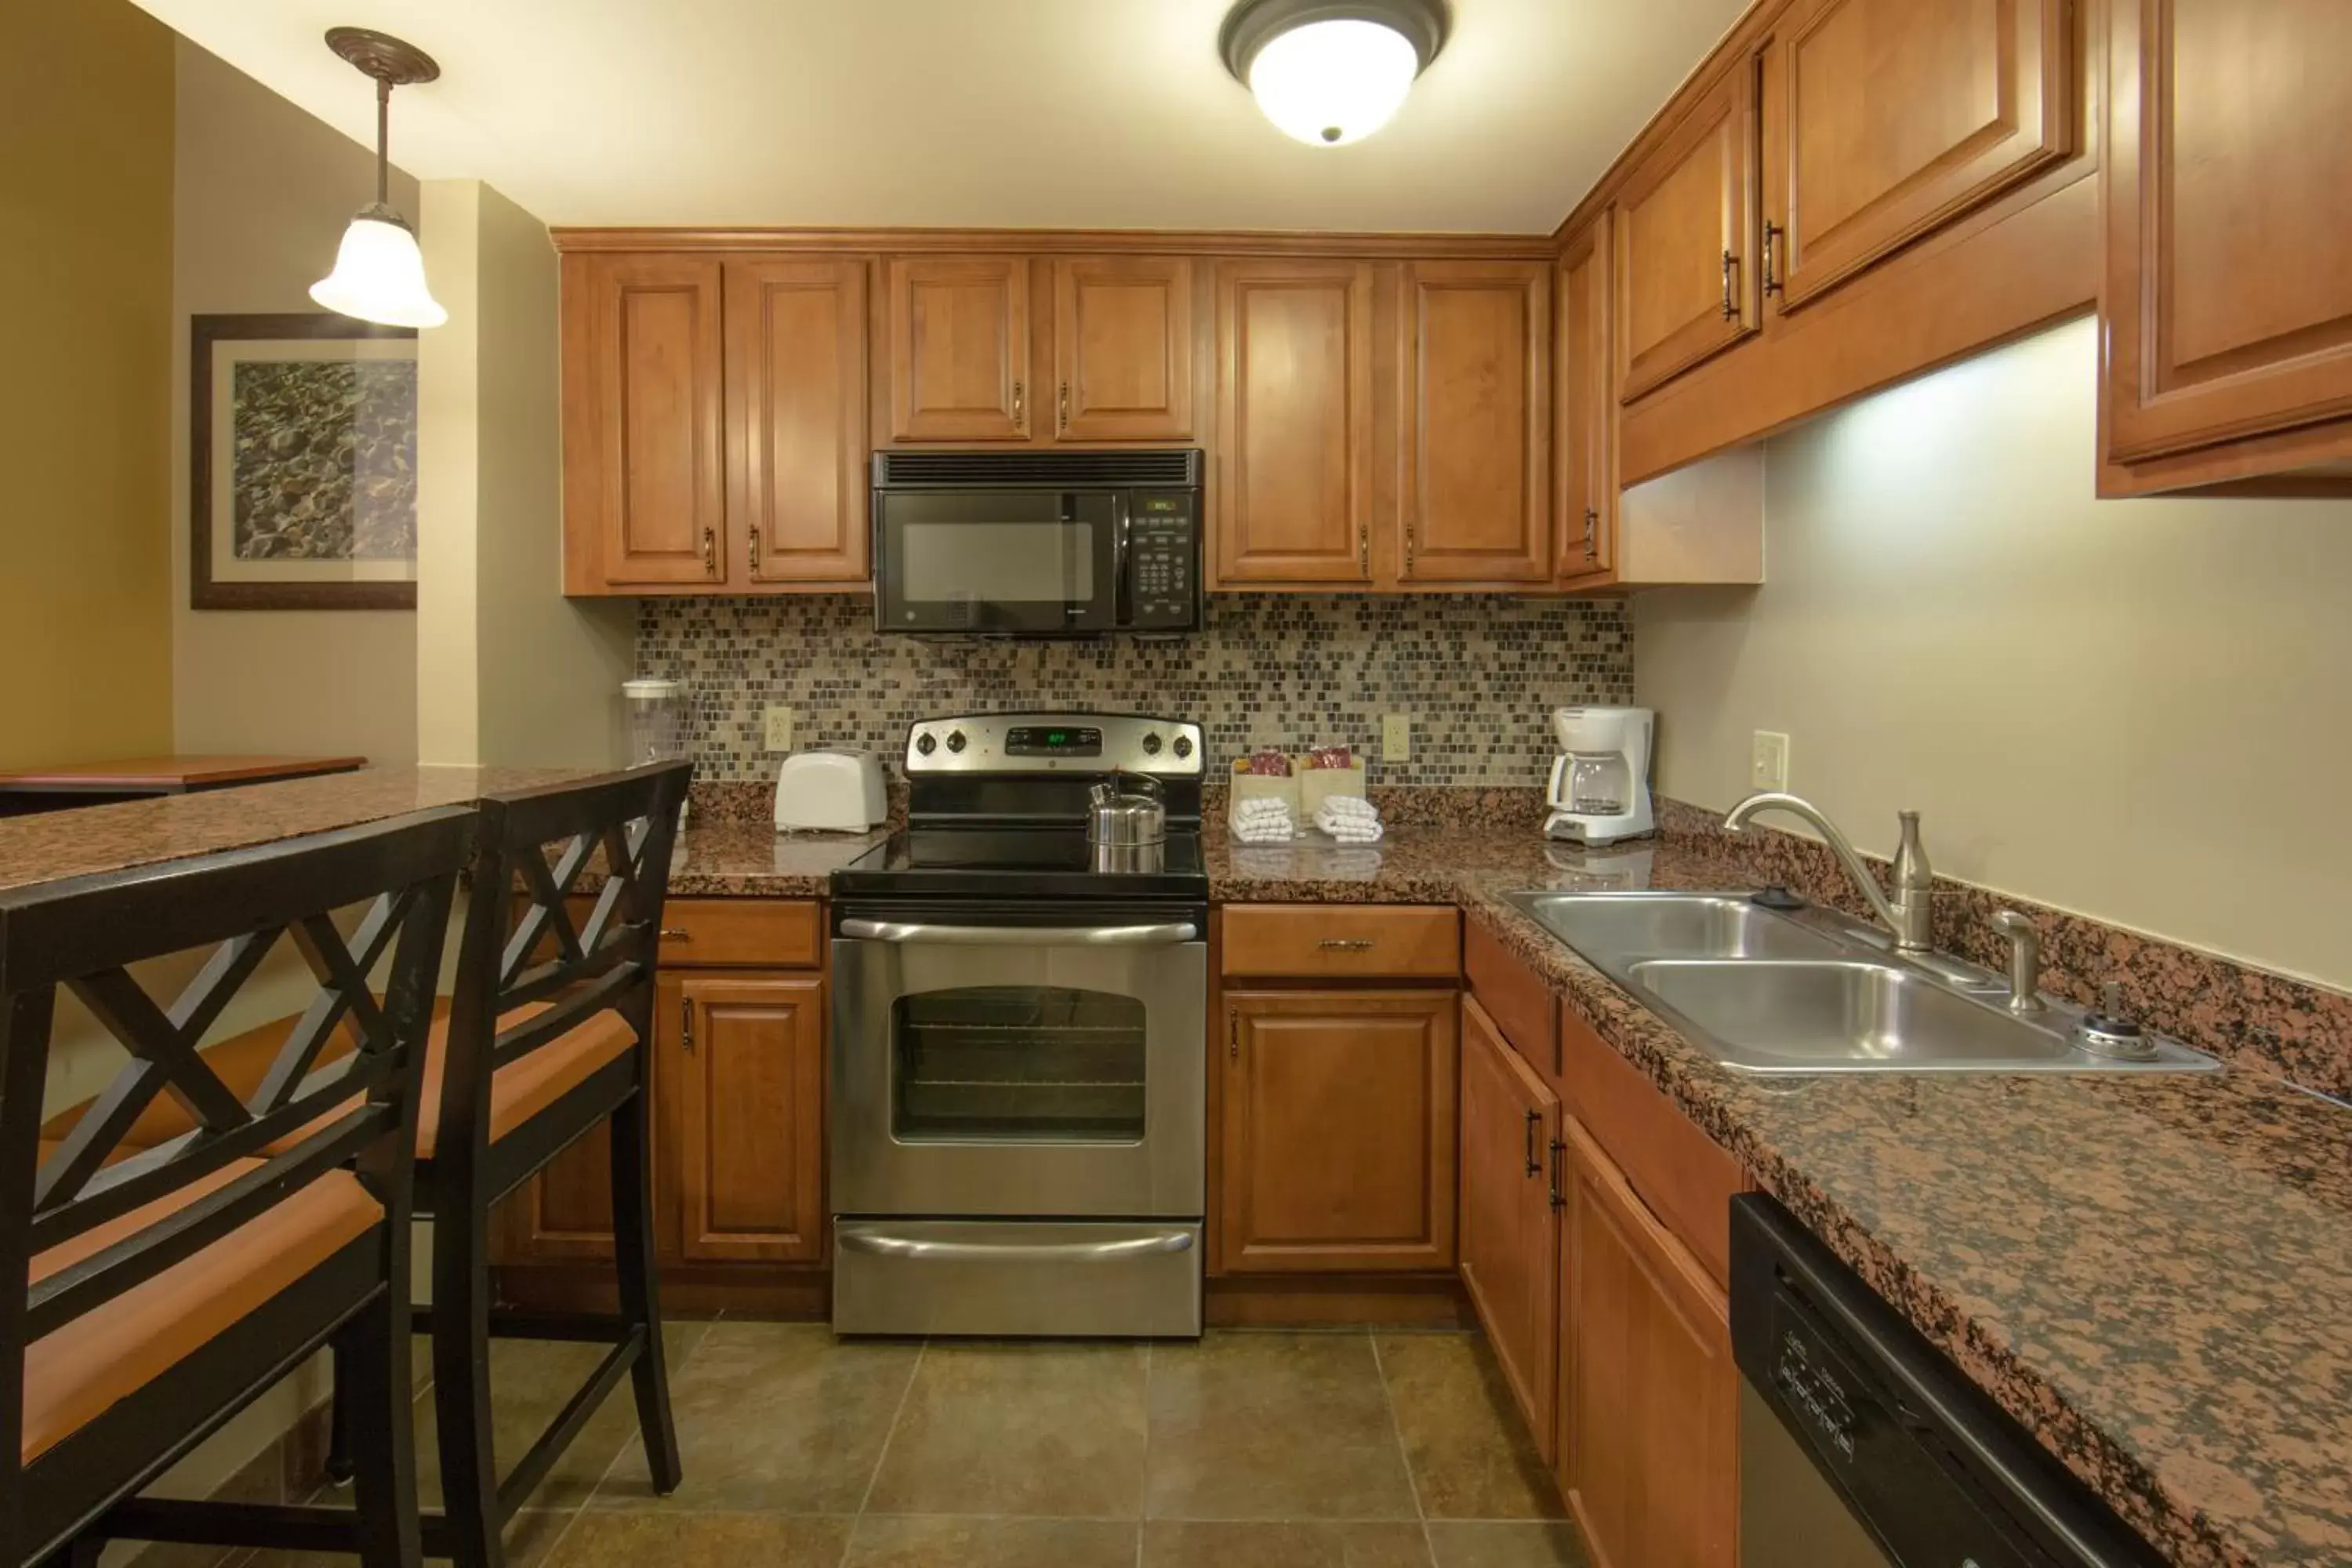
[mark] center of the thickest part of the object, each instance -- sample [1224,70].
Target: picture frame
[301,463]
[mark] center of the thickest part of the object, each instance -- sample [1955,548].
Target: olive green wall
[85,126]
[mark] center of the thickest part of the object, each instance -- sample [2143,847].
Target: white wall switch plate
[779,720]
[1768,763]
[1396,737]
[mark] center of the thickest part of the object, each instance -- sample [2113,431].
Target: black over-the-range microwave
[1041,543]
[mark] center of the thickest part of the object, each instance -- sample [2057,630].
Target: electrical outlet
[1767,763]
[779,720]
[1396,737]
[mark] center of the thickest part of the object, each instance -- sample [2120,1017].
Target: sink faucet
[1908,915]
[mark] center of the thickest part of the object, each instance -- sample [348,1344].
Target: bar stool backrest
[524,942]
[85,933]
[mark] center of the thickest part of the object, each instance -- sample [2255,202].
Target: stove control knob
[1183,745]
[925,744]
[955,741]
[1151,744]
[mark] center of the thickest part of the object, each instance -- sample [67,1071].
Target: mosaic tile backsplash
[1478,675]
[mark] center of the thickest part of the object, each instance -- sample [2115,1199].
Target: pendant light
[379,273]
[1329,72]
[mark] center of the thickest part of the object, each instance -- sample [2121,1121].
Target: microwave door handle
[1122,607]
[1169,935]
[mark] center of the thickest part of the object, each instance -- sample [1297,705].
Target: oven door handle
[1160,1244]
[1168,935]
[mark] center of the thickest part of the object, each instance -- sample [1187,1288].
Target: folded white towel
[1263,820]
[1350,819]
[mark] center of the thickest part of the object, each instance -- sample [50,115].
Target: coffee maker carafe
[1601,783]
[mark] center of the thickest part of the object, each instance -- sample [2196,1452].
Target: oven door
[1001,1067]
[1032,563]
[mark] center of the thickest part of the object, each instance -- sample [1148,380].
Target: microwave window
[998,563]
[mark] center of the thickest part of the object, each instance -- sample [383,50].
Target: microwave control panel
[1163,564]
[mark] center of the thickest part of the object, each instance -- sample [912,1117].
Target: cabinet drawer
[1333,941]
[1683,1175]
[1515,996]
[775,932]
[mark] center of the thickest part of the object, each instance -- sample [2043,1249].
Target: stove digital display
[1038,740]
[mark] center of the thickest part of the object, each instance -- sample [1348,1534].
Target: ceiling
[1010,113]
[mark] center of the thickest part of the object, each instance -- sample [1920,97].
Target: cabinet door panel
[750,1120]
[1685,283]
[1649,1432]
[1509,1239]
[1123,348]
[797,402]
[960,348]
[644,489]
[1585,369]
[1477,455]
[1294,500]
[2228,290]
[1893,117]
[1338,1131]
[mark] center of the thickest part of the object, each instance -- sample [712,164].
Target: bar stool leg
[461,1375]
[632,1245]
[383,1436]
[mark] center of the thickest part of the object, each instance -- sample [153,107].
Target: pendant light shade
[379,272]
[1329,72]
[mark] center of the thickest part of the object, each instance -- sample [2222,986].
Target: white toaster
[838,790]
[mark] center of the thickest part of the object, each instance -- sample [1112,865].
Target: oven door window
[1017,1064]
[998,560]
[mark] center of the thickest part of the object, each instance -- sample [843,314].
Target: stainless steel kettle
[1128,809]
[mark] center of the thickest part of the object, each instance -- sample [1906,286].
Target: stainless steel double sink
[1816,993]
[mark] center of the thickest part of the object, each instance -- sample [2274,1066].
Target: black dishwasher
[1860,1444]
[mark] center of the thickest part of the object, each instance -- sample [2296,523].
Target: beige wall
[509,671]
[86,269]
[2139,711]
[263,192]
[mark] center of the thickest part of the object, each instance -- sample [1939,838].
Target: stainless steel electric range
[1018,1123]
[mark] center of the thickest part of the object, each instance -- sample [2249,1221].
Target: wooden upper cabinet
[1585,442]
[1648,1416]
[749,1063]
[1338,1130]
[960,348]
[1123,348]
[796,405]
[2228,171]
[1887,119]
[1685,229]
[1294,495]
[1509,1239]
[645,470]
[1476,492]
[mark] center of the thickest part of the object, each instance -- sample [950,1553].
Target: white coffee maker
[1601,786]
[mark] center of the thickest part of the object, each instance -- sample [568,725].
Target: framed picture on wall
[301,464]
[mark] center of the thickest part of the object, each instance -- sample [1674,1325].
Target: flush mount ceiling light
[1332,71]
[379,273]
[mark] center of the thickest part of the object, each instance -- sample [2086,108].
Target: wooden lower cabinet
[748,1152]
[1338,1120]
[1648,1453]
[1511,1167]
[738,1071]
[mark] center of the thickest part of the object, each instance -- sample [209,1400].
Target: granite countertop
[719,859]
[52,845]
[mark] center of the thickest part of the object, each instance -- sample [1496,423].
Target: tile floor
[1250,1449]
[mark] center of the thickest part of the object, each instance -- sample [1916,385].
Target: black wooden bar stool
[160,1291]
[550,1035]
